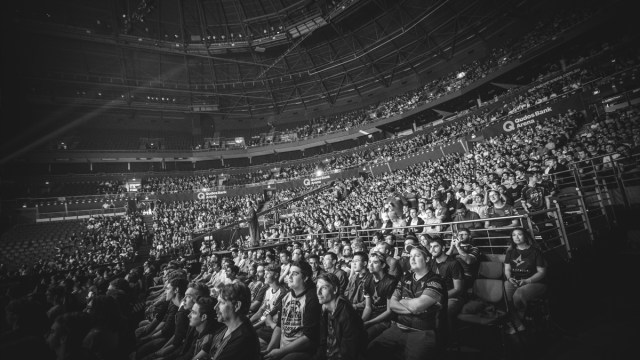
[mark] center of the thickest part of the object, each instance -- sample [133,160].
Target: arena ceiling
[242,58]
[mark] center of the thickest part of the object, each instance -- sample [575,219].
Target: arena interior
[319,179]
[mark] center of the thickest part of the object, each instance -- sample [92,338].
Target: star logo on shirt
[518,261]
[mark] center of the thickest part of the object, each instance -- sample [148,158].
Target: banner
[524,119]
[259,189]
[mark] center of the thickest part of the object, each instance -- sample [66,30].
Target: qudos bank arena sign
[531,117]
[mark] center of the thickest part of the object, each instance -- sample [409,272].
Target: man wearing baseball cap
[419,304]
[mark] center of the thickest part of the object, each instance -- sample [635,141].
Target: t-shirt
[272,300]
[524,263]
[379,291]
[449,270]
[534,197]
[506,210]
[355,290]
[300,315]
[430,284]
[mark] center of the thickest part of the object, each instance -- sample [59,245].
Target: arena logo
[316,180]
[210,194]
[508,126]
[525,120]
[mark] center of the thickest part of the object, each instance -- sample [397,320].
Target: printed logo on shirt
[518,261]
[292,318]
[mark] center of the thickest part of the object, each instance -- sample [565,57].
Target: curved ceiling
[276,56]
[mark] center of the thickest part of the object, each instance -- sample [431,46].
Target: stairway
[143,250]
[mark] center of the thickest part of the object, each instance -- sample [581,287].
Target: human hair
[313,256]
[331,279]
[383,260]
[437,239]
[274,268]
[286,252]
[237,292]
[304,267]
[387,247]
[201,288]
[207,306]
[333,255]
[363,256]
[528,239]
[180,285]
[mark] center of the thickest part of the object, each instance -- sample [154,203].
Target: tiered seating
[26,244]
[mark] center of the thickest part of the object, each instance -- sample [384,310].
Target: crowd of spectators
[480,68]
[175,223]
[576,73]
[354,293]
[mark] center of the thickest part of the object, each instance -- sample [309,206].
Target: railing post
[601,200]
[576,176]
[623,189]
[563,231]
[585,215]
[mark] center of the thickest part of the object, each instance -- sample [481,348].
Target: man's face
[389,240]
[296,279]
[225,310]
[325,292]
[270,277]
[296,255]
[260,273]
[190,298]
[328,262]
[169,292]
[463,236]
[435,249]
[413,213]
[314,263]
[460,212]
[284,259]
[381,248]
[417,259]
[357,264]
[375,264]
[346,251]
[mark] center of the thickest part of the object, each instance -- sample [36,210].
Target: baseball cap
[420,248]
